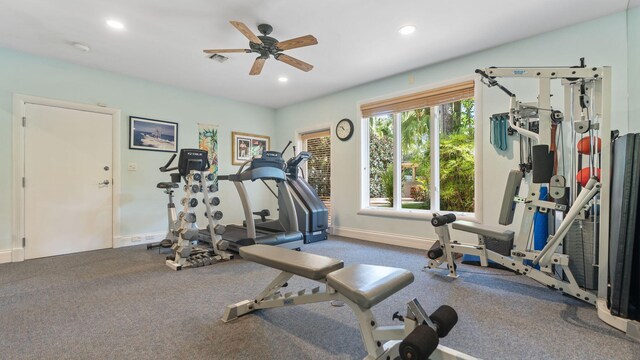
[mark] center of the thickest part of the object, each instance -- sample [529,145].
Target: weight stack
[579,245]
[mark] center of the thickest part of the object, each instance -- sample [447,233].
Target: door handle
[106,182]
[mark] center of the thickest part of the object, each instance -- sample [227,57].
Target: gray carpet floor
[126,304]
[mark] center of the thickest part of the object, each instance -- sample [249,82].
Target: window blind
[422,99]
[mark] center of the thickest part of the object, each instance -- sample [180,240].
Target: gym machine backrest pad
[510,192]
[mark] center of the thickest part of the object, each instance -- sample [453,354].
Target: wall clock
[344,129]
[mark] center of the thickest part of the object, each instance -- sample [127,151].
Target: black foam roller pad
[542,164]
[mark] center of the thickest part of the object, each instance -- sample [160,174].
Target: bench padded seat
[470,227]
[310,266]
[367,285]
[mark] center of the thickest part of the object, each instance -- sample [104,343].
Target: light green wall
[143,206]
[634,69]
[601,42]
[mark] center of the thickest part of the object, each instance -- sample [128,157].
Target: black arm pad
[440,220]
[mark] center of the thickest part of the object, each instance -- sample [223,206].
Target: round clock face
[344,130]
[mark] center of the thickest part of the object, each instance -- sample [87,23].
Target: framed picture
[149,134]
[245,146]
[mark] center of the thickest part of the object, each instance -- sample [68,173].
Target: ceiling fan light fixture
[283,79]
[407,30]
[115,24]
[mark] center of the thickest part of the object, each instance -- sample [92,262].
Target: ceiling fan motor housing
[267,48]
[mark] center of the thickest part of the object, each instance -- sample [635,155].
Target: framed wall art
[149,134]
[245,146]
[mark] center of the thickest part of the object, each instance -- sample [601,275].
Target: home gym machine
[268,166]
[579,258]
[360,287]
[193,167]
[313,215]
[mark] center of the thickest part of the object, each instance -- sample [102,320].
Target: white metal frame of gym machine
[595,120]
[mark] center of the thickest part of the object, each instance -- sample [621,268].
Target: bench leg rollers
[445,318]
[435,252]
[419,344]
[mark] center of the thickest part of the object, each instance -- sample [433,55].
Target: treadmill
[269,166]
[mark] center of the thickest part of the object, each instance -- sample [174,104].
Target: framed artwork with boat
[150,134]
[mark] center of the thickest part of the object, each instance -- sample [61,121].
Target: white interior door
[68,181]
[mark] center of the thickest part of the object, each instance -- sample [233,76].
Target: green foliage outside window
[456,156]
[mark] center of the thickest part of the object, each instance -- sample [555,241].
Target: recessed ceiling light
[407,30]
[115,24]
[283,79]
[81,46]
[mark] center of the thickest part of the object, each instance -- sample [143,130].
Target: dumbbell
[215,201]
[210,177]
[193,202]
[188,217]
[217,215]
[195,188]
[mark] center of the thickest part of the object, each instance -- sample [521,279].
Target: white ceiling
[358,39]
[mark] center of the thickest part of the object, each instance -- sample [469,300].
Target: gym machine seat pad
[310,266]
[367,285]
[470,227]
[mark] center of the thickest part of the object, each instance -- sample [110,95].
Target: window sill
[414,214]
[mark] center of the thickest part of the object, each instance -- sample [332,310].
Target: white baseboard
[17,254]
[138,239]
[5,256]
[415,242]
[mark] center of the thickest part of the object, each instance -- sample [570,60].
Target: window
[420,151]
[318,168]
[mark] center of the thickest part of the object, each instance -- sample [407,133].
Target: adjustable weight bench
[360,287]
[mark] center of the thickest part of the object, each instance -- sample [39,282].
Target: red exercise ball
[584,145]
[584,175]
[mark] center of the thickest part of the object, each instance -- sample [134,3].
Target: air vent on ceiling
[219,58]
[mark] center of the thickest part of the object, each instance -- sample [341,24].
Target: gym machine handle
[286,147]
[166,167]
[491,82]
[440,220]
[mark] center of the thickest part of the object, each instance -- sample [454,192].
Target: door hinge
[24,121]
[24,242]
[24,181]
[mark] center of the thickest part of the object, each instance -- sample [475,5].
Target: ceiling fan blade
[222,51]
[297,42]
[294,62]
[246,32]
[256,69]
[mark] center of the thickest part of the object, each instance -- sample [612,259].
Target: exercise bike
[172,217]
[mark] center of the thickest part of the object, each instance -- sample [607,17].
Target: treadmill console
[268,159]
[192,159]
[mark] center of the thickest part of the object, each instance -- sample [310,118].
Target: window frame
[396,211]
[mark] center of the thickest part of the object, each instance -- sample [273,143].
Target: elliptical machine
[312,214]
[172,216]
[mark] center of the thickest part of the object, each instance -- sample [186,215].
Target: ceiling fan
[267,46]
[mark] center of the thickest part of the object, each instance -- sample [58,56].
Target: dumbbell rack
[185,251]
